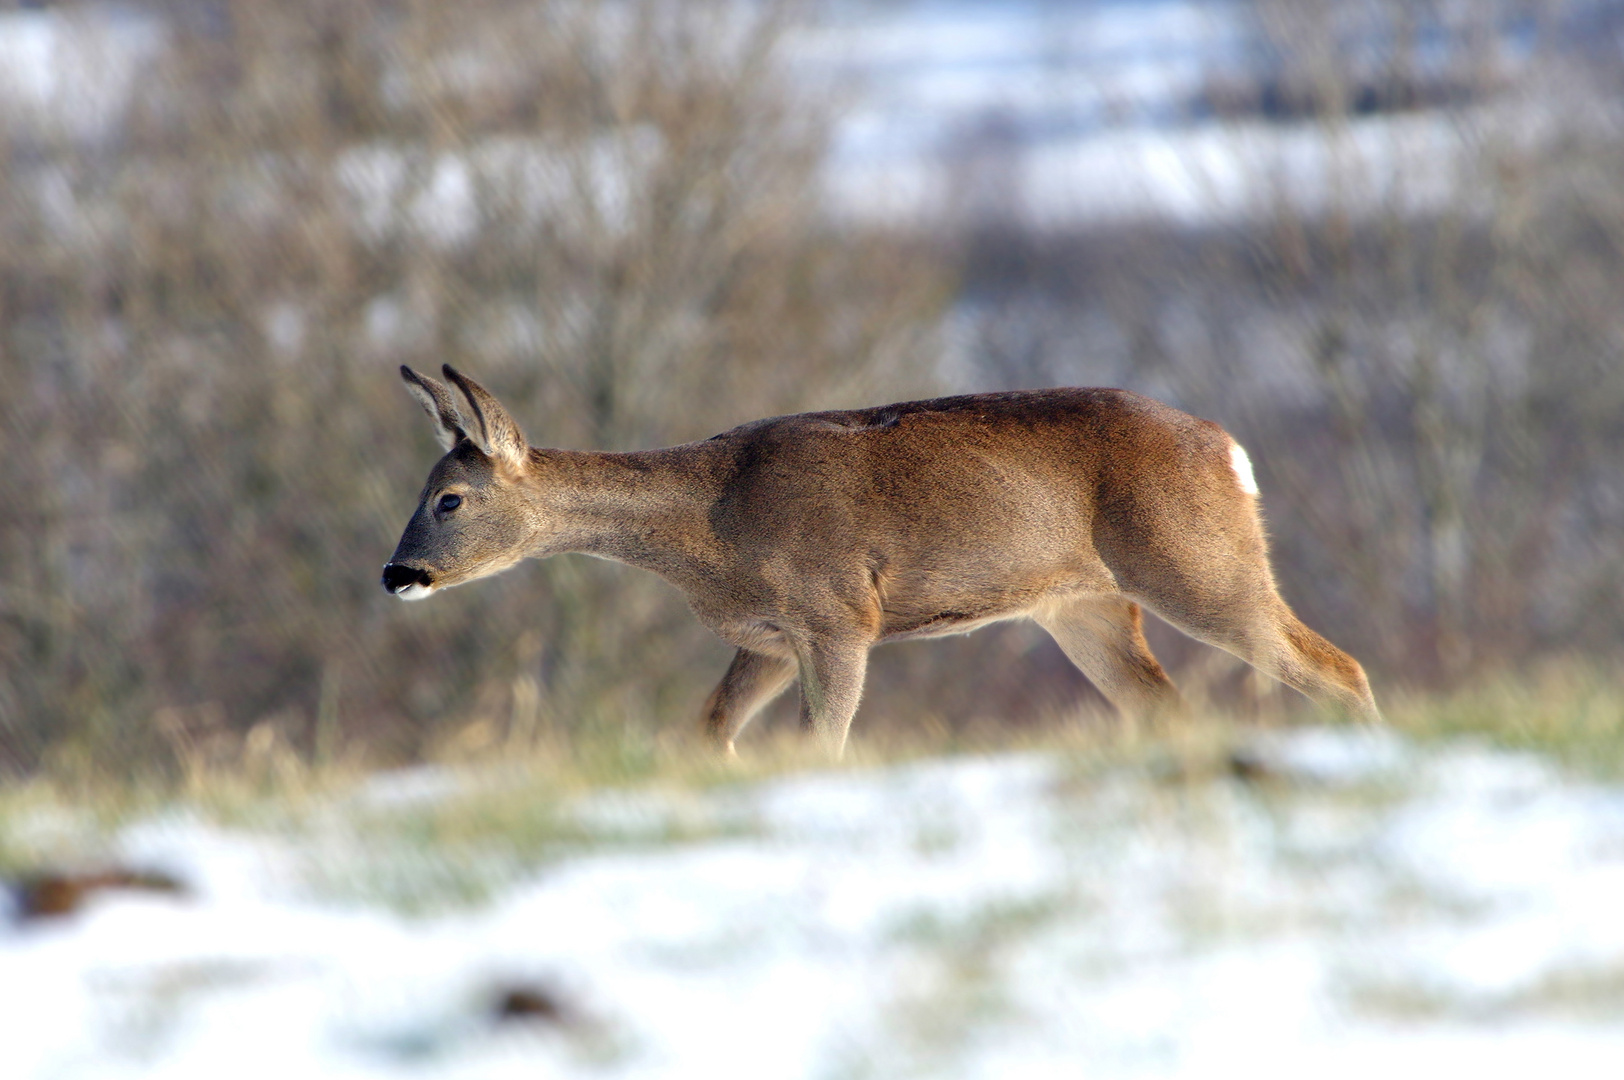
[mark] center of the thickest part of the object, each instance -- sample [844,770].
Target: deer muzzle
[407,582]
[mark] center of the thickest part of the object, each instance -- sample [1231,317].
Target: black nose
[396,577]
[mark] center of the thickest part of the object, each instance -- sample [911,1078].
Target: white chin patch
[1243,468]
[414,591]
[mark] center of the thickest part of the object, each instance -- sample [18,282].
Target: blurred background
[1380,241]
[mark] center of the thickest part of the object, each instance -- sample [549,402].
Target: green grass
[964,984]
[513,810]
[1580,993]
[1572,712]
[509,811]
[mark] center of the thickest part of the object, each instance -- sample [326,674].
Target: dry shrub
[1416,333]
[606,211]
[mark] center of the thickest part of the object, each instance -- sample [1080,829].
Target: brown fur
[806,540]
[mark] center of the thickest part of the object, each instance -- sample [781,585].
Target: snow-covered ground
[1051,114]
[1333,903]
[1043,113]
[74,74]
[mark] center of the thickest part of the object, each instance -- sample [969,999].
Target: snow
[74,72]
[1048,115]
[1054,115]
[1349,903]
[1049,165]
[591,184]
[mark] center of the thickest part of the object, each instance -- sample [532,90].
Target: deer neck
[646,509]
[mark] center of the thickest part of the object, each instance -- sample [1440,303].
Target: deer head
[472,519]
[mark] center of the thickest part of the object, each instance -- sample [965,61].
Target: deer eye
[448,503]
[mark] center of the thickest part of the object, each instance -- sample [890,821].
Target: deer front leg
[832,671]
[751,682]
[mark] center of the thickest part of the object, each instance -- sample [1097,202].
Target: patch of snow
[1401,908]
[74,71]
[592,187]
[1193,174]
[1338,756]
[417,786]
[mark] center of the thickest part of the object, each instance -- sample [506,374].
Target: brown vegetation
[1421,349]
[610,212]
[51,895]
[608,209]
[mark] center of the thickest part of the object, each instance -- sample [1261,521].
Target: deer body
[805,540]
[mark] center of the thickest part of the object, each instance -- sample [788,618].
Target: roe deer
[806,540]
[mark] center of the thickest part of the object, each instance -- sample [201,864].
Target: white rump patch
[1243,468]
[414,591]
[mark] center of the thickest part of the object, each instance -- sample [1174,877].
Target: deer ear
[488,424]
[438,403]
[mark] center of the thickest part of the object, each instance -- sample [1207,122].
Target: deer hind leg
[1257,626]
[1105,638]
[1203,565]
[1277,642]
[751,683]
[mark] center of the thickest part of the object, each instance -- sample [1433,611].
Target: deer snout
[407,582]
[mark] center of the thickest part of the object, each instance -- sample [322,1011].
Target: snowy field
[1044,114]
[1321,903]
[1053,115]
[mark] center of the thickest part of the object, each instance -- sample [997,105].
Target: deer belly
[946,623]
